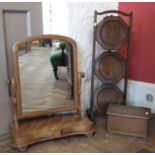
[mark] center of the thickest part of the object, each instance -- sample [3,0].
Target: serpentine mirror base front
[50,128]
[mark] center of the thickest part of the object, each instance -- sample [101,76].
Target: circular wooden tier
[112,32]
[105,95]
[110,67]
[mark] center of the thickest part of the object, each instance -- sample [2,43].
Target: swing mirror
[45,75]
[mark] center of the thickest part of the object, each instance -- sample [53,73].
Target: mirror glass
[46,75]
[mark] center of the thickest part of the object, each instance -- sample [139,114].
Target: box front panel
[127,125]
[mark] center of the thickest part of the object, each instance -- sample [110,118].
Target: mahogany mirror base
[41,129]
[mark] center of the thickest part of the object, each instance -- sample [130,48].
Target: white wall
[46,17]
[55,22]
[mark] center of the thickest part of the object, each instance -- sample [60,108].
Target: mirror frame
[17,88]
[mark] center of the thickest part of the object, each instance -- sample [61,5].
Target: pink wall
[142,64]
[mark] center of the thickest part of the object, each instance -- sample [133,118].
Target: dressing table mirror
[45,91]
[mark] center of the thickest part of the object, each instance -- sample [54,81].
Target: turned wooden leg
[55,69]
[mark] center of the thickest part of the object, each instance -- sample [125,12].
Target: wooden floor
[100,142]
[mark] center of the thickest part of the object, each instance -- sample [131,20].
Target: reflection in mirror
[46,81]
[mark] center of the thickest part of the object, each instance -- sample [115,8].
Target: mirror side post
[80,76]
[14,101]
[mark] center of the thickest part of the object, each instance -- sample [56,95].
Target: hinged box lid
[129,111]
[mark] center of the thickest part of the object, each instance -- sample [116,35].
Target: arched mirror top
[44,37]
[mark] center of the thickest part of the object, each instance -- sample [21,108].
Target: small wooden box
[128,120]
